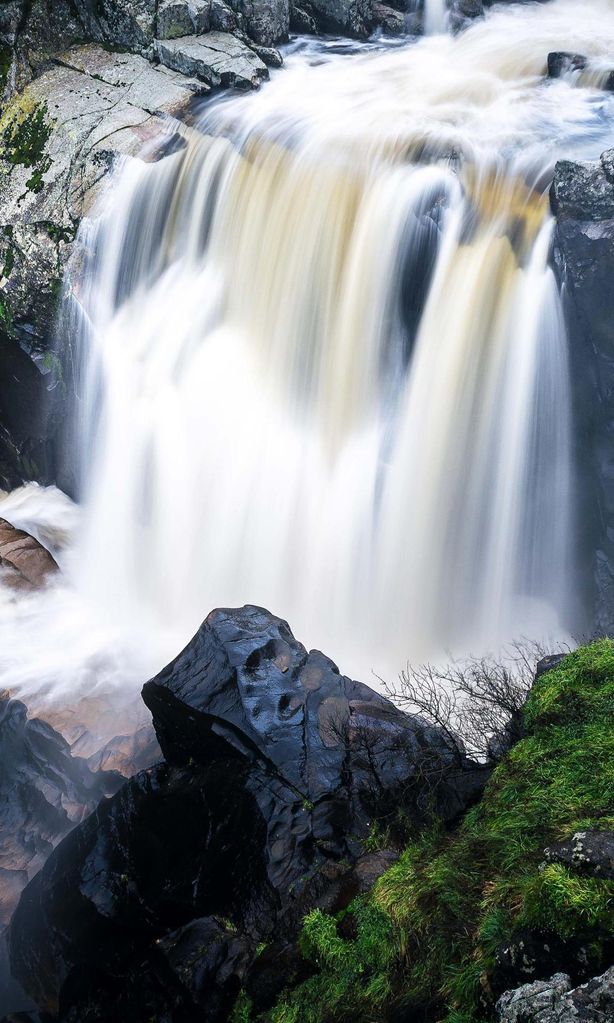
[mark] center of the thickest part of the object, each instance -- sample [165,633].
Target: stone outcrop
[275,768]
[582,199]
[24,562]
[556,1001]
[217,59]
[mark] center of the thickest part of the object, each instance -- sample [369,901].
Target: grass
[424,940]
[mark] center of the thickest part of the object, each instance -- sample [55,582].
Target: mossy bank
[448,927]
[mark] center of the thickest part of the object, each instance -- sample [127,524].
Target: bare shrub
[475,701]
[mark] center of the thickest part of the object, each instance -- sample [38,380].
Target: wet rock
[554,1001]
[582,199]
[276,766]
[590,853]
[217,59]
[44,792]
[178,18]
[350,17]
[24,562]
[392,21]
[463,12]
[561,63]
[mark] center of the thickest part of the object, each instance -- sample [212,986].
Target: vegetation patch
[24,133]
[425,939]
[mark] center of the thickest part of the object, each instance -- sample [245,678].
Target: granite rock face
[216,59]
[275,768]
[582,199]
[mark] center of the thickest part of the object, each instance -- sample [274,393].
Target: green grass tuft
[426,936]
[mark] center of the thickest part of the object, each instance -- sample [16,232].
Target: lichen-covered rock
[129,24]
[178,18]
[590,853]
[554,1001]
[217,59]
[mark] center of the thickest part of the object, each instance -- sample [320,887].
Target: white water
[327,370]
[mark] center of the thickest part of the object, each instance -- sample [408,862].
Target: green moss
[24,133]
[428,932]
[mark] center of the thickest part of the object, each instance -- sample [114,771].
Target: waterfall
[435,16]
[325,367]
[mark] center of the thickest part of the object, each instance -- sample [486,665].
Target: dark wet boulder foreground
[191,883]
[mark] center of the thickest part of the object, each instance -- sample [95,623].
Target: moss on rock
[427,936]
[24,133]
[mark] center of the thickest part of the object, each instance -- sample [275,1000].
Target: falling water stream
[325,367]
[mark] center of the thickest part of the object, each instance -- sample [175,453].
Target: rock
[462,12]
[582,191]
[392,22]
[349,17]
[24,562]
[302,20]
[554,1001]
[266,21]
[129,24]
[532,955]
[178,18]
[217,59]
[276,766]
[561,63]
[582,199]
[590,853]
[44,792]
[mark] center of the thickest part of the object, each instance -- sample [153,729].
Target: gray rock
[129,24]
[554,1001]
[302,20]
[217,59]
[582,199]
[266,21]
[590,853]
[392,21]
[178,18]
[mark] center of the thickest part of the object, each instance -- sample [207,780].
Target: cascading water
[325,362]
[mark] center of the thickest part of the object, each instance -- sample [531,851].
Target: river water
[325,367]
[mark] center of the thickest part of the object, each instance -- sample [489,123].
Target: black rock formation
[276,767]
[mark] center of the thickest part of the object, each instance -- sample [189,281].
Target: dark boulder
[561,63]
[531,955]
[276,767]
